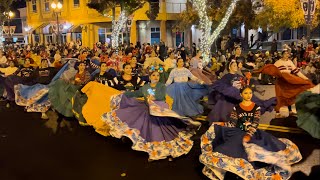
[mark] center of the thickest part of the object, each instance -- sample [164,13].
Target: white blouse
[180,75]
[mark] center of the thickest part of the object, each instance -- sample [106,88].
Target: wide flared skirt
[308,108]
[206,77]
[263,157]
[78,101]
[160,135]
[222,108]
[98,103]
[13,80]
[34,98]
[60,96]
[186,98]
[288,86]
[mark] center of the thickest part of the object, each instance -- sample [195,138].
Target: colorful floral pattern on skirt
[157,149]
[217,164]
[36,101]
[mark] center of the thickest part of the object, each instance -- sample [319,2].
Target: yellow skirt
[98,103]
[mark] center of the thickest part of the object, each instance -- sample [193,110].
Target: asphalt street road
[32,149]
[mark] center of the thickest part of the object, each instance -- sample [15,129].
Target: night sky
[19,4]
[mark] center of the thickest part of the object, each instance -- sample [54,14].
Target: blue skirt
[186,98]
[34,98]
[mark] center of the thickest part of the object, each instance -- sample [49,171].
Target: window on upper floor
[46,5]
[176,6]
[34,5]
[76,3]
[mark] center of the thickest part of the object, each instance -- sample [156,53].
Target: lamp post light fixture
[309,8]
[9,15]
[57,11]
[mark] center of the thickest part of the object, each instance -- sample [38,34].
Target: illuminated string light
[205,24]
[117,27]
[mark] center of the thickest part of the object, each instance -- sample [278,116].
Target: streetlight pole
[9,19]
[10,14]
[57,10]
[308,7]
[58,29]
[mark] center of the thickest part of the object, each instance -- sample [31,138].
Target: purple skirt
[222,108]
[166,134]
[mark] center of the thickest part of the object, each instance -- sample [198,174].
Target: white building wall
[196,35]
[176,6]
[255,33]
[144,28]
[23,16]
[169,41]
[144,32]
[23,12]
[272,37]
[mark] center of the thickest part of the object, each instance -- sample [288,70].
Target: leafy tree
[105,6]
[4,7]
[152,14]
[277,14]
[216,9]
[186,19]
[244,13]
[208,35]
[127,8]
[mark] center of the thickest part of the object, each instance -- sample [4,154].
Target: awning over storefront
[76,28]
[38,27]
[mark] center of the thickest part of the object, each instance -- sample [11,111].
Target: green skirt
[78,101]
[308,107]
[60,96]
[164,76]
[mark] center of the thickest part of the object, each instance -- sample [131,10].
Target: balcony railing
[170,7]
[175,7]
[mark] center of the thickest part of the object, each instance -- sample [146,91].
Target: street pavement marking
[280,128]
[269,127]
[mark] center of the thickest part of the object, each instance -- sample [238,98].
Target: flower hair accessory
[245,81]
[154,68]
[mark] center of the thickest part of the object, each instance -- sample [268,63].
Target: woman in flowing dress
[238,146]
[151,126]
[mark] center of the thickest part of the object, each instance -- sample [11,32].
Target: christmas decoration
[205,24]
[127,7]
[117,27]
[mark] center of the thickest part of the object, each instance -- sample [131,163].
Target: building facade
[13,28]
[78,22]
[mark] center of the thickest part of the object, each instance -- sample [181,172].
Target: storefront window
[155,35]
